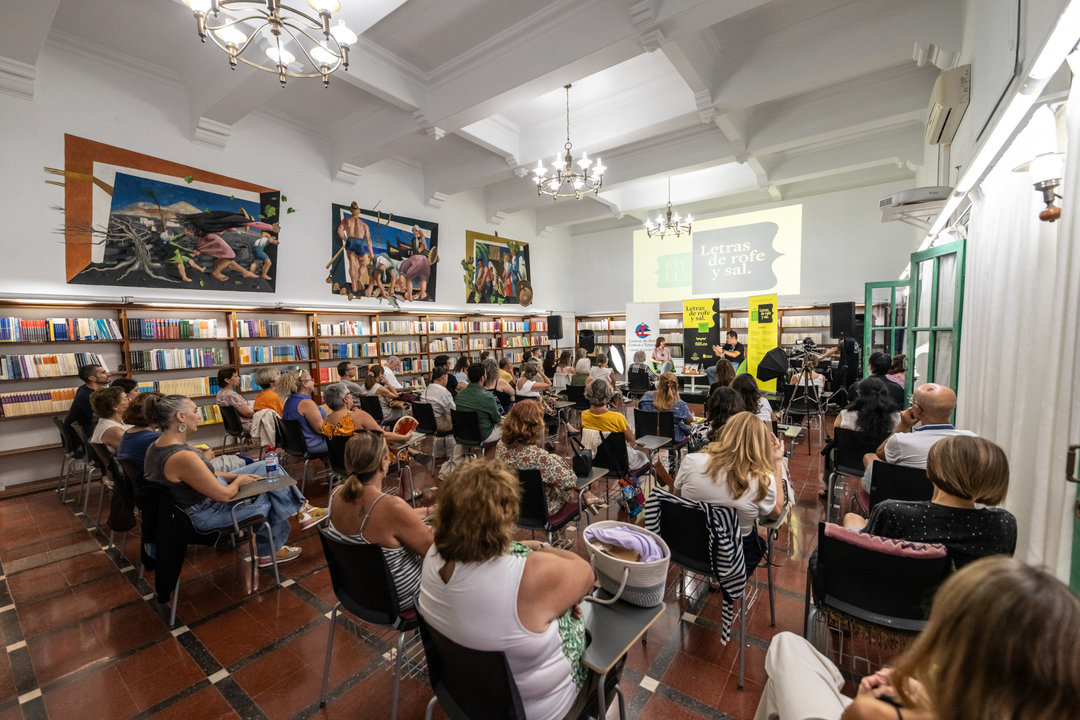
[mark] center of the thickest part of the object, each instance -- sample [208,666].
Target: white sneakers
[284,555]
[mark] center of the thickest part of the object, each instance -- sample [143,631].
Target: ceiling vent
[948,102]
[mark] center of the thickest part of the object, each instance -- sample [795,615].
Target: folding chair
[70,463]
[428,425]
[849,447]
[895,482]
[234,428]
[467,431]
[533,513]
[295,446]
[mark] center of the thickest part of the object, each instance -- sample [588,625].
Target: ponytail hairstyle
[364,454]
[667,392]
[373,375]
[162,410]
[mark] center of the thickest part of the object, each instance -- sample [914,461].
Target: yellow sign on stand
[762,334]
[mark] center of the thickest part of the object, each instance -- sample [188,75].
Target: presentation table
[694,378]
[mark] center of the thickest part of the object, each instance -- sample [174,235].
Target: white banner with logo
[642,329]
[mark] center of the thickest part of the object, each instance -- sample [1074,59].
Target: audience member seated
[598,419]
[523,429]
[94,378]
[461,368]
[109,405]
[300,407]
[484,591]
[809,383]
[129,386]
[743,470]
[582,370]
[897,371]
[752,399]
[931,409]
[443,361]
[719,407]
[600,370]
[504,392]
[661,357]
[666,399]
[532,382]
[871,412]
[725,375]
[1000,643]
[390,367]
[965,470]
[506,369]
[141,433]
[205,496]
[474,398]
[880,364]
[549,364]
[563,370]
[344,419]
[376,385]
[437,394]
[228,380]
[270,398]
[395,527]
[346,373]
[639,365]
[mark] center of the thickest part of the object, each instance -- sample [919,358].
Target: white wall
[845,245]
[101,102]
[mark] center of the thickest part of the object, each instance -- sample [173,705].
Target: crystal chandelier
[672,224]
[232,25]
[565,182]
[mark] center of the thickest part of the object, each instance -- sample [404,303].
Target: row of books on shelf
[477,343]
[13,329]
[173,329]
[257,354]
[792,338]
[447,326]
[339,351]
[265,328]
[524,326]
[409,365]
[401,327]
[521,341]
[20,367]
[399,347]
[811,321]
[176,358]
[191,387]
[209,414]
[345,327]
[37,402]
[447,344]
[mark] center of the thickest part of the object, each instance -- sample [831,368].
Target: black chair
[611,455]
[467,431]
[638,383]
[897,482]
[91,464]
[576,395]
[363,586]
[70,463]
[662,424]
[373,407]
[335,454]
[883,590]
[849,447]
[428,425]
[103,457]
[296,446]
[686,532]
[122,507]
[533,514]
[234,427]
[469,684]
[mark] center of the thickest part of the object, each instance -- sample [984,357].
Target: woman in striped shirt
[362,514]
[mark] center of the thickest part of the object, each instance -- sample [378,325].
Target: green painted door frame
[935,305]
[894,321]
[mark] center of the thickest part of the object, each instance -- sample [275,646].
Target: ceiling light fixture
[565,182]
[1045,173]
[232,25]
[668,225]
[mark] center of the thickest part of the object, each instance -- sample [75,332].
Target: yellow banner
[700,333]
[762,334]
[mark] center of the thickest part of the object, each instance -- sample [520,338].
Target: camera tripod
[804,401]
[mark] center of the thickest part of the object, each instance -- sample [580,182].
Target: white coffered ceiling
[739,101]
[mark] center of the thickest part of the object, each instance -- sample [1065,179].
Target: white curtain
[1018,359]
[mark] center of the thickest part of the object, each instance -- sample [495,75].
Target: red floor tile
[64,651]
[105,686]
[7,681]
[157,673]
[207,704]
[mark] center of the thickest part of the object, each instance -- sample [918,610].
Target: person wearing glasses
[931,409]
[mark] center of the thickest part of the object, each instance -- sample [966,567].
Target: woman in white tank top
[486,592]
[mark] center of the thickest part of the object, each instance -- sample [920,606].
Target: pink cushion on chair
[887,546]
[568,510]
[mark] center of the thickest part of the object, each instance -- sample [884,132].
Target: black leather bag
[583,458]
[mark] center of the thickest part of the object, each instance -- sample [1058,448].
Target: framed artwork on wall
[496,270]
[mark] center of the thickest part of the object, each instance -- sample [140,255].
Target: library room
[584,359]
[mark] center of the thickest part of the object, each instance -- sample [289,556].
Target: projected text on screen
[731,256]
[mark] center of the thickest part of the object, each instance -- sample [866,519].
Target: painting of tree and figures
[138,221]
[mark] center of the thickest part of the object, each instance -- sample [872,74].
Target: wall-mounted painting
[139,221]
[382,255]
[496,270]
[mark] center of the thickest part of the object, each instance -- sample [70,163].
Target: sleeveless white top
[478,609]
[526,390]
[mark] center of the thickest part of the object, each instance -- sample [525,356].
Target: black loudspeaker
[586,340]
[842,320]
[554,327]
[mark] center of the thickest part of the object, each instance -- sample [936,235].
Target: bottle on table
[273,470]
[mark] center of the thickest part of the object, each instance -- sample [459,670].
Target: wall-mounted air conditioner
[948,101]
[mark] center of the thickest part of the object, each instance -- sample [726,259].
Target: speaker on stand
[554,331]
[586,340]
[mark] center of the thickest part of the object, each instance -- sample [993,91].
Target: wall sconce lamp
[1045,172]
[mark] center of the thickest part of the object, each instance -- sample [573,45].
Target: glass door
[885,319]
[936,294]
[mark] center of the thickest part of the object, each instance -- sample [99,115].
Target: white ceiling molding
[347,173]
[211,133]
[17,78]
[437,200]
[646,24]
[91,50]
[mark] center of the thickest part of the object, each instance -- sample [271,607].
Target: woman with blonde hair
[486,592]
[532,382]
[1000,643]
[743,469]
[299,406]
[666,399]
[269,380]
[964,470]
[360,513]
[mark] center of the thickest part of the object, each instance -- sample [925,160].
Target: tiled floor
[84,638]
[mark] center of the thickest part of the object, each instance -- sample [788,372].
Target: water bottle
[273,470]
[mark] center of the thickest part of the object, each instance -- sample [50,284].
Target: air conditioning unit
[915,196]
[948,102]
[915,206]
